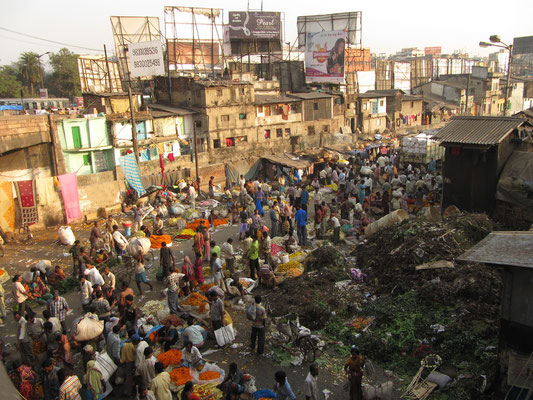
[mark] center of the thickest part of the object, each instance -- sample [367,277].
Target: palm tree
[30,68]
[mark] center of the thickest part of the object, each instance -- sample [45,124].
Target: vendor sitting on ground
[266,276]
[237,284]
[194,334]
[158,226]
[101,256]
[233,385]
[144,230]
[56,276]
[191,356]
[167,336]
[291,241]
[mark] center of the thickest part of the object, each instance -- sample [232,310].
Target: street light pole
[496,42]
[42,68]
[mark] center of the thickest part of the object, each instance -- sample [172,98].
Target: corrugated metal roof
[503,248]
[478,130]
[273,99]
[310,95]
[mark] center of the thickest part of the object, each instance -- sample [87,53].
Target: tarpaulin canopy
[288,161]
[12,107]
[516,181]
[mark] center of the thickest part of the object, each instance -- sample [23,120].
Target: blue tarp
[11,107]
[132,173]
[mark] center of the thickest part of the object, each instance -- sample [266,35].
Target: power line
[27,41]
[48,40]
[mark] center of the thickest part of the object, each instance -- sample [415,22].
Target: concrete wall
[18,131]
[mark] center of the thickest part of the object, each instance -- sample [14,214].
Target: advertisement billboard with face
[254,25]
[349,22]
[324,57]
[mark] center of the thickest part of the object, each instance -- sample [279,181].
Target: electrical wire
[27,41]
[48,40]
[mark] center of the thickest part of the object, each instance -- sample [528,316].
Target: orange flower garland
[171,357]
[180,376]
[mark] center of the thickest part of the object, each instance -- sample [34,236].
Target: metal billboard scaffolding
[99,75]
[195,40]
[127,30]
[350,22]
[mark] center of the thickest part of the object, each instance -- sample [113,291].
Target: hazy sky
[388,25]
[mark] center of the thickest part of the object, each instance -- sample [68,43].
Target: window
[219,92]
[315,106]
[310,130]
[287,131]
[260,109]
[241,139]
[76,137]
[325,128]
[378,122]
[243,91]
[381,103]
[216,143]
[242,116]
[198,124]
[365,106]
[86,159]
[267,133]
[412,104]
[338,100]
[279,133]
[224,118]
[230,142]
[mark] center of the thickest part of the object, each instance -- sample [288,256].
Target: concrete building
[402,110]
[86,145]
[447,92]
[372,113]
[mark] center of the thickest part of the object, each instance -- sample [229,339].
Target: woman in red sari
[199,270]
[198,243]
[63,354]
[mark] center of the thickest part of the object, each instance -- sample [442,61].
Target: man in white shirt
[242,182]
[86,289]
[194,334]
[23,339]
[120,241]
[310,384]
[228,254]
[336,227]
[191,356]
[382,161]
[94,276]
[192,196]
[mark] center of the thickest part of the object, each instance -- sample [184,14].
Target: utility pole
[196,152]
[507,90]
[467,92]
[133,128]
[108,70]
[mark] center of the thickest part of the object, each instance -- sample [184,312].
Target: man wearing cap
[57,306]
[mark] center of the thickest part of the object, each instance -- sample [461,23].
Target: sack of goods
[66,236]
[365,171]
[105,365]
[251,312]
[87,327]
[138,246]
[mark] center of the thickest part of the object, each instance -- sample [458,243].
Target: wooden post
[196,152]
[133,129]
[108,71]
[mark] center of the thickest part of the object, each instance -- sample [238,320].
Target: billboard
[523,45]
[324,57]
[433,50]
[98,75]
[189,53]
[146,59]
[349,22]
[254,25]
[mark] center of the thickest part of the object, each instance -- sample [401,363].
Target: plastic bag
[207,367]
[225,335]
[105,365]
[251,312]
[66,236]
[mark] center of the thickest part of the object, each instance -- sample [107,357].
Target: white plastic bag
[207,367]
[43,265]
[66,236]
[105,365]
[138,246]
[225,335]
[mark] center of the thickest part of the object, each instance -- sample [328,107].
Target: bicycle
[125,269]
[292,332]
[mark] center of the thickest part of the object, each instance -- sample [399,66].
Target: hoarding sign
[349,22]
[324,57]
[523,45]
[433,50]
[146,59]
[254,25]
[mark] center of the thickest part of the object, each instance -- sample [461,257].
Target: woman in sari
[26,380]
[199,270]
[39,289]
[207,244]
[94,381]
[188,269]
[198,243]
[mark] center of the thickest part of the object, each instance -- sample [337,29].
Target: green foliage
[66,285]
[64,80]
[9,84]
[30,69]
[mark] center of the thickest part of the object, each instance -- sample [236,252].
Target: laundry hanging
[26,196]
[69,193]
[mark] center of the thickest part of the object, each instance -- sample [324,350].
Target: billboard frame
[216,26]
[98,72]
[331,22]
[146,31]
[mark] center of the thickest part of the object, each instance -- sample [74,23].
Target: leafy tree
[64,80]
[9,84]
[30,69]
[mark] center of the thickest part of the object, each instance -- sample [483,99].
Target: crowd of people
[351,193]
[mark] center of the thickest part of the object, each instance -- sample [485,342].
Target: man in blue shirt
[304,199]
[282,387]
[301,222]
